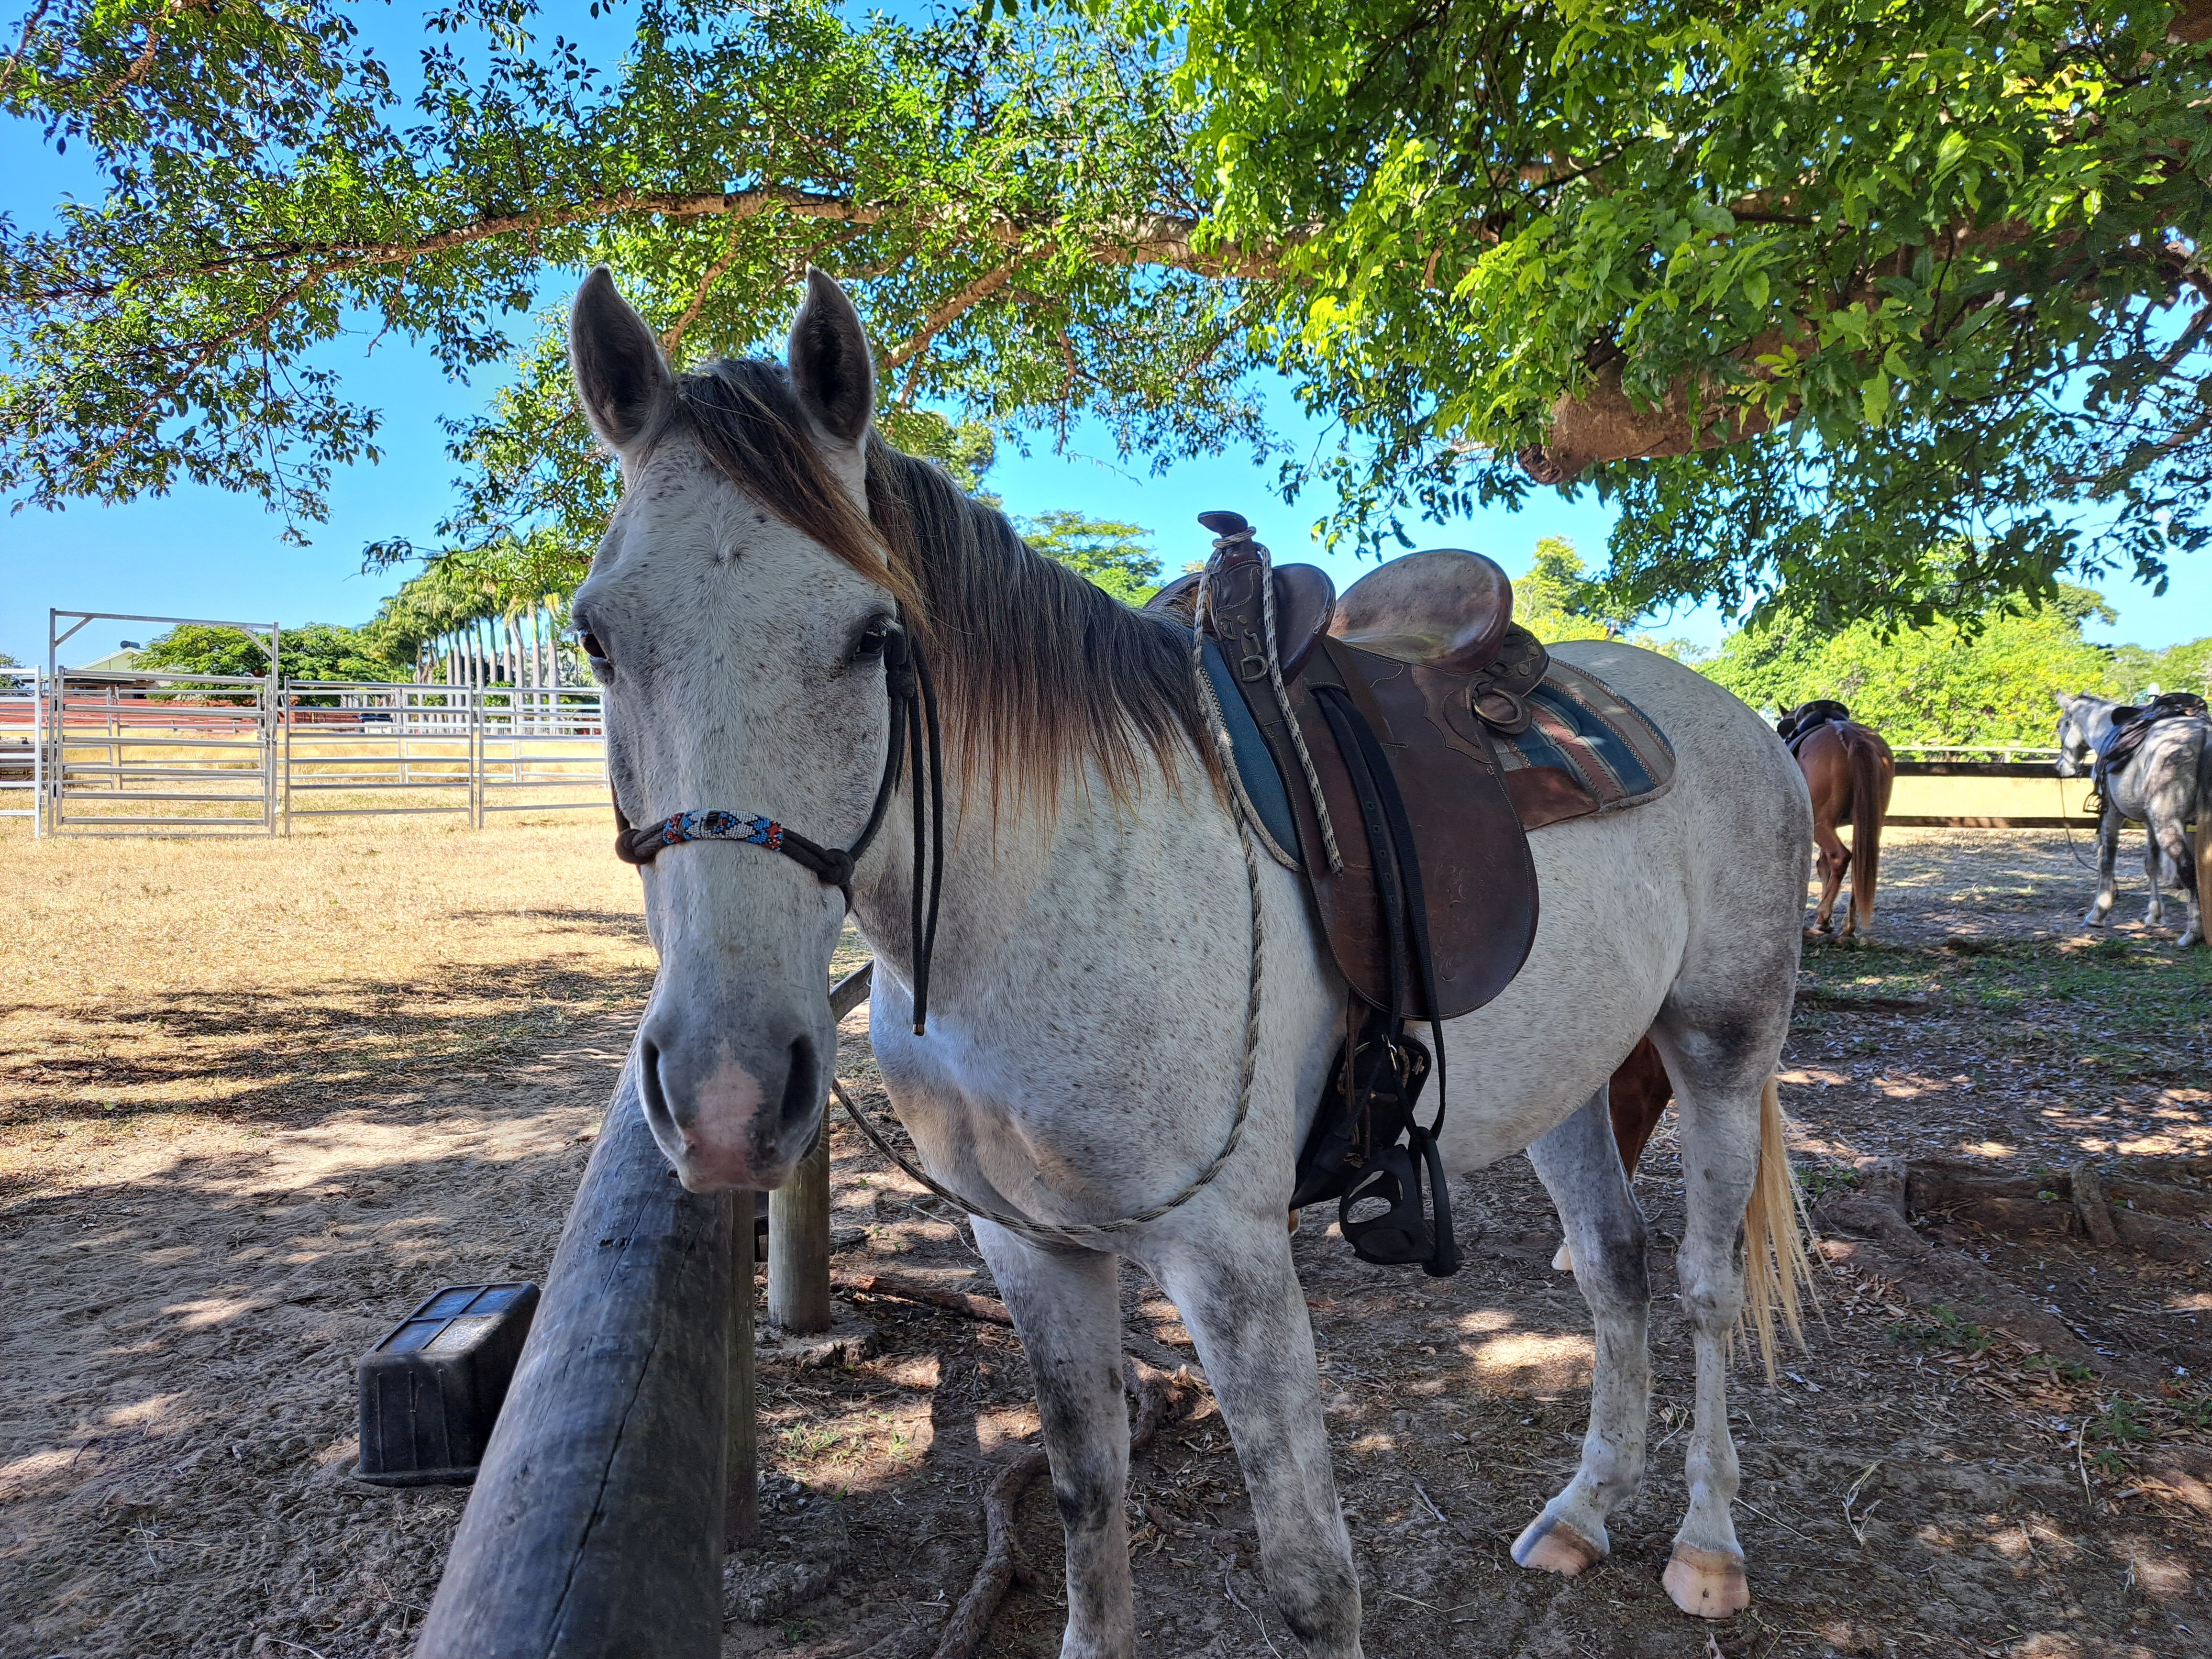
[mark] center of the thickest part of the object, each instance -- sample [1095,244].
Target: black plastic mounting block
[432,1389]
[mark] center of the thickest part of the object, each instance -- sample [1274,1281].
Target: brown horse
[1850,771]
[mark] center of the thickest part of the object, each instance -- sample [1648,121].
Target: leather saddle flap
[1476,878]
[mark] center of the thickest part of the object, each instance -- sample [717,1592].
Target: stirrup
[1403,1236]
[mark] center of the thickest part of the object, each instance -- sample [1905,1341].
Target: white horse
[1087,1027]
[2166,785]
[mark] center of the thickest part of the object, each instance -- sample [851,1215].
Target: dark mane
[1041,670]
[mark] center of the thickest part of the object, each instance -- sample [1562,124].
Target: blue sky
[201,552]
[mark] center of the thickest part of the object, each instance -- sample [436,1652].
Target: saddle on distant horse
[2132,724]
[1396,745]
[1802,722]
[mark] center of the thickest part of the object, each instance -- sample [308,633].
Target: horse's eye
[874,639]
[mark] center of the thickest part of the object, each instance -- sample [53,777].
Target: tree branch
[975,293]
[1160,238]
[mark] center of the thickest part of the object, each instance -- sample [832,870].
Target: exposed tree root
[1156,1394]
[991,1311]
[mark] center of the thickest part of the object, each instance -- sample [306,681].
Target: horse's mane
[1041,670]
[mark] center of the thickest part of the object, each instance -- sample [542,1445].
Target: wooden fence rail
[625,1458]
[596,1527]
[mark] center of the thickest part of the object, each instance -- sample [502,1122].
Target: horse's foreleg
[1718,1099]
[1241,1300]
[1580,1166]
[2108,853]
[1067,1310]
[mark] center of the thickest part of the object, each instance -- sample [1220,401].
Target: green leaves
[1810,288]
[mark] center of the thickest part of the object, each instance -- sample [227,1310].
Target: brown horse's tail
[1867,806]
[1777,1276]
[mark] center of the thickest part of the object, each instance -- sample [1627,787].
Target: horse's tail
[1865,825]
[1777,1275]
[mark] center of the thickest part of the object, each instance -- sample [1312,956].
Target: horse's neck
[997,864]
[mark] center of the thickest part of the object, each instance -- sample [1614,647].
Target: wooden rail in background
[1987,795]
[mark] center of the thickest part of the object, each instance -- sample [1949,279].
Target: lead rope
[1085,1234]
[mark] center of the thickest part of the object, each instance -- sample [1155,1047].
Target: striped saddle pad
[1584,728]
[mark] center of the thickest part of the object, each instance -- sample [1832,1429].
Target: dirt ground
[228,1167]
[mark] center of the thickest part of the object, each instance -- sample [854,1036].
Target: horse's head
[2077,732]
[737,614]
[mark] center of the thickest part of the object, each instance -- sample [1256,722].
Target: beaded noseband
[913,725]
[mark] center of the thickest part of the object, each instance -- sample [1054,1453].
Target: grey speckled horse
[2166,785]
[1086,1033]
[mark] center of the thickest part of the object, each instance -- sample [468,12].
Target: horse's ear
[829,361]
[2064,702]
[622,380]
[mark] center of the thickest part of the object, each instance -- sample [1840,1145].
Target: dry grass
[153,985]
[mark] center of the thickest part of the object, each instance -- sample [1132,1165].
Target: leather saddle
[1424,649]
[1800,722]
[2132,724]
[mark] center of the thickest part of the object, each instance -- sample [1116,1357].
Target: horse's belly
[1610,936]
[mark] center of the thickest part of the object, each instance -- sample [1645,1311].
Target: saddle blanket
[1581,726]
[1611,754]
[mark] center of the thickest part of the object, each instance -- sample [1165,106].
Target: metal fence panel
[182,754]
[23,745]
[358,749]
[544,748]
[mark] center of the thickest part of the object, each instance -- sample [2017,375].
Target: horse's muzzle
[727,1120]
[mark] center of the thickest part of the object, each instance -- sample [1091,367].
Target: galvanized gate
[129,751]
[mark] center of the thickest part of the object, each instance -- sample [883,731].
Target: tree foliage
[1990,682]
[315,651]
[1117,556]
[1813,289]
[1862,280]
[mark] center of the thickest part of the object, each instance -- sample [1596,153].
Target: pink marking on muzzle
[718,1142]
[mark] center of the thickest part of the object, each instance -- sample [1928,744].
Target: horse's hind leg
[1238,1294]
[1835,859]
[1720,1066]
[2170,842]
[1067,1310]
[2153,850]
[1580,1166]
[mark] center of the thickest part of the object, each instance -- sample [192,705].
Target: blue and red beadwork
[719,826]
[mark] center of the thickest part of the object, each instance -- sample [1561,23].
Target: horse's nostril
[802,1083]
[655,1098]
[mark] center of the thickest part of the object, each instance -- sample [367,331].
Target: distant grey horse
[2164,786]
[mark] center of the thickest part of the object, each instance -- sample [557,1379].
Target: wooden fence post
[799,1214]
[741,1455]
[799,1247]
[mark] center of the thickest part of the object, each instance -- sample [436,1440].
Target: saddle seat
[1446,607]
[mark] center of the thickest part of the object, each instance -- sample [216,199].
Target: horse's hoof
[1708,1583]
[1563,1259]
[2094,919]
[1555,1547]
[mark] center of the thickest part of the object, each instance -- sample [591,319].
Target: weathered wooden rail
[625,1459]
